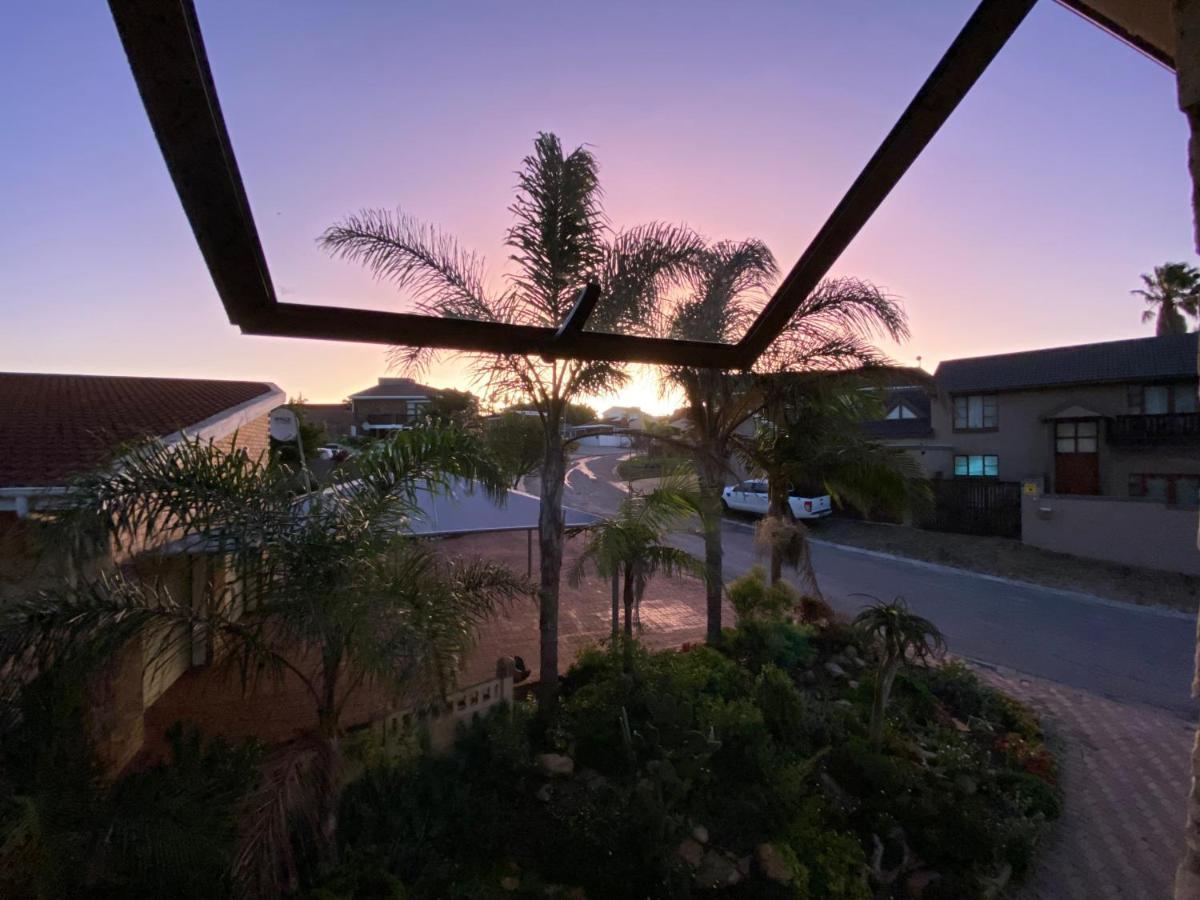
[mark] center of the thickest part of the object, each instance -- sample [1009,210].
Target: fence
[976,506]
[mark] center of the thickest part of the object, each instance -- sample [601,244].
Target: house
[391,404]
[1103,439]
[625,417]
[907,424]
[336,418]
[56,427]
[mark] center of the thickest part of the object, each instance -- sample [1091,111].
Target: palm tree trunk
[883,691]
[628,601]
[550,546]
[710,522]
[616,605]
[777,510]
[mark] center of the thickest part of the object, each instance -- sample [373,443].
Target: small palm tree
[831,331]
[812,435]
[630,547]
[899,635]
[1171,293]
[560,241]
[325,586]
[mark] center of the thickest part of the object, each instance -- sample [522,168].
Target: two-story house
[1104,439]
[392,403]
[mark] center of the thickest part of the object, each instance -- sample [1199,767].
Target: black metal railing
[1152,429]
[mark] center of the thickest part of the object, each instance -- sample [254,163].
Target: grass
[651,466]
[1011,559]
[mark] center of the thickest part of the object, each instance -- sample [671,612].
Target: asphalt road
[1123,652]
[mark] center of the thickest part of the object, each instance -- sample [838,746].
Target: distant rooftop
[56,426]
[395,388]
[1138,359]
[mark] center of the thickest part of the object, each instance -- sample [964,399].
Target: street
[1118,651]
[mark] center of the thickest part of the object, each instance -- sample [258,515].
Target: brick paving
[1125,774]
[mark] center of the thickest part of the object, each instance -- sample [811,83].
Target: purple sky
[1024,224]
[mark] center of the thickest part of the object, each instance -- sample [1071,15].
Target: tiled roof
[56,426]
[1139,359]
[396,387]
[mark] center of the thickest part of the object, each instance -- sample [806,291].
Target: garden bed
[637,467]
[746,771]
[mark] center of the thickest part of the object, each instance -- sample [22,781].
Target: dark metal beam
[984,35]
[335,323]
[573,324]
[166,53]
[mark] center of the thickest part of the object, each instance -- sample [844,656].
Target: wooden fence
[976,506]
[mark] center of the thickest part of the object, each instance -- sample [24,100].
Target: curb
[1164,612]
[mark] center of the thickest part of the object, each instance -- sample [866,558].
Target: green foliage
[754,600]
[516,442]
[449,405]
[651,466]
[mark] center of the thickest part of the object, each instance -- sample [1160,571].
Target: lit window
[900,411]
[1075,437]
[977,466]
[976,411]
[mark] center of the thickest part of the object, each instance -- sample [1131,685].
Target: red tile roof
[55,426]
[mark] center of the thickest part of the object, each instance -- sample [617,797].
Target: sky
[1025,223]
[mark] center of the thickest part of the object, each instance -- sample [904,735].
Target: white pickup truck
[751,497]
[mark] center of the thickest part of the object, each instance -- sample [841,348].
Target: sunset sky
[1025,224]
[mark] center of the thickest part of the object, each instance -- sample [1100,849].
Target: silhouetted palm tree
[560,242]
[830,331]
[1172,293]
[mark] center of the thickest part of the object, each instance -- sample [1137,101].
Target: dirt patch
[1012,559]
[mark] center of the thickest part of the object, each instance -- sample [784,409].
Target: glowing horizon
[1059,180]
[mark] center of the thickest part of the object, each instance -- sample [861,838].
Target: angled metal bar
[573,324]
[166,53]
[984,35]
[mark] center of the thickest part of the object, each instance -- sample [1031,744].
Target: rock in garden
[743,864]
[543,793]
[773,864]
[700,833]
[691,852]
[852,684]
[918,882]
[966,784]
[555,764]
[835,670]
[717,871]
[510,882]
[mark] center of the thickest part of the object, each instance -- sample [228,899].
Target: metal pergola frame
[166,53]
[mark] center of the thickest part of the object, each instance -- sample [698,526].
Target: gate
[976,506]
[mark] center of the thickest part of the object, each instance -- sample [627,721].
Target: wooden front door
[1077,457]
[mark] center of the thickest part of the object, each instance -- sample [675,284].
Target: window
[985,466]
[1161,399]
[900,411]
[1075,437]
[974,412]
[1175,490]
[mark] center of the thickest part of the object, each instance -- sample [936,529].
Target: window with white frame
[975,412]
[1075,437]
[986,465]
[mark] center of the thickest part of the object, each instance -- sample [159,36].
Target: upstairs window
[900,411]
[1162,399]
[975,412]
[977,466]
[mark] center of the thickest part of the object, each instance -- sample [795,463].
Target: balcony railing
[1154,429]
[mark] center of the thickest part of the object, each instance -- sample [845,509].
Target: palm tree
[326,587]
[1172,292]
[813,436]
[560,241]
[899,635]
[830,331]
[631,545]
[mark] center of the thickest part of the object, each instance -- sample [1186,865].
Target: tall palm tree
[631,546]
[812,436]
[832,330]
[900,635]
[326,586]
[560,241]
[1171,293]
